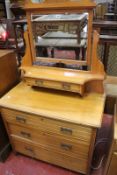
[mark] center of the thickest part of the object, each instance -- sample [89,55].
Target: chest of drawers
[57,142]
[53,127]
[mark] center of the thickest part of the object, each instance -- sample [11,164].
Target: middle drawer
[57,143]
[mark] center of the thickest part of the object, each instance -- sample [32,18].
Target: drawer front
[55,85]
[56,158]
[65,146]
[67,130]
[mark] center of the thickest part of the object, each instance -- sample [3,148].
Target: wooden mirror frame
[53,7]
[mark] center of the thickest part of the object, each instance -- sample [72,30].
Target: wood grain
[61,75]
[53,104]
[8,71]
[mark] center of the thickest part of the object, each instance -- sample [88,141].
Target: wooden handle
[66,86]
[66,130]
[66,147]
[25,134]
[39,82]
[29,149]
[20,119]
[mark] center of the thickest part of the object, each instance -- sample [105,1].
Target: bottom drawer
[78,165]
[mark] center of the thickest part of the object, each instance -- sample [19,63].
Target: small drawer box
[55,85]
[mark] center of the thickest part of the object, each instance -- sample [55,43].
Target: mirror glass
[37,1]
[60,39]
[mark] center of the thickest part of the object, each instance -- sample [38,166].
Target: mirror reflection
[37,1]
[60,36]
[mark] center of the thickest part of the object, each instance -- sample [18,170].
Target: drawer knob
[25,134]
[20,119]
[66,86]
[29,150]
[66,130]
[66,147]
[39,82]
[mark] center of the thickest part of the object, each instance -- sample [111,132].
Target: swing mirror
[61,39]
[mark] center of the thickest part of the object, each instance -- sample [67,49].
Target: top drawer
[49,125]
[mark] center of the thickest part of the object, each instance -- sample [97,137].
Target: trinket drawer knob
[66,86]
[39,82]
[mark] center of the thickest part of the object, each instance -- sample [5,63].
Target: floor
[22,165]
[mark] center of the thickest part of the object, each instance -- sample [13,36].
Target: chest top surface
[68,107]
[5,52]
